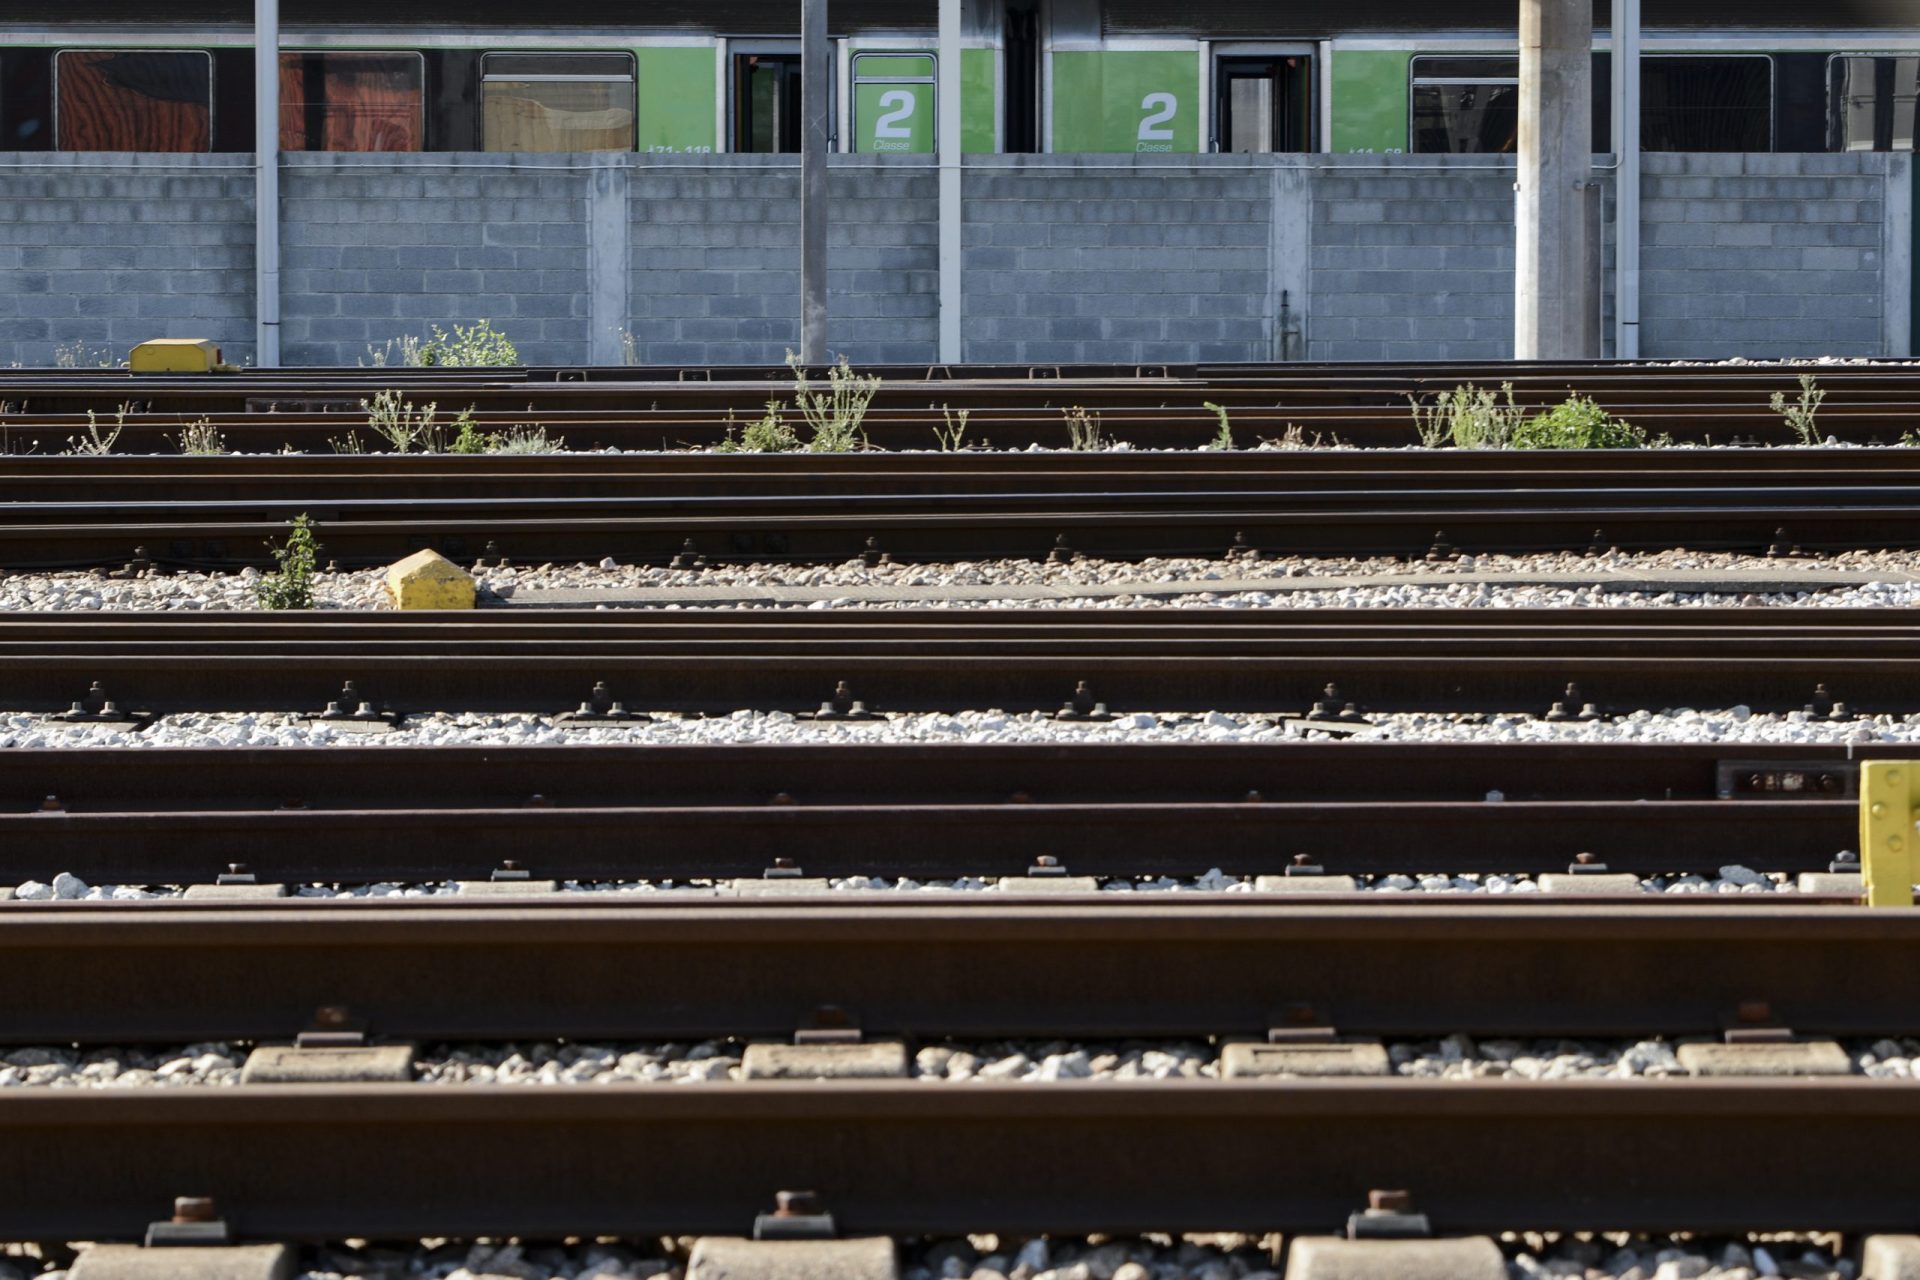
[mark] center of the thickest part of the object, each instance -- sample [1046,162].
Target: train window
[766,102]
[1722,103]
[26,99]
[1263,104]
[557,102]
[893,102]
[1465,106]
[1872,102]
[352,102]
[133,100]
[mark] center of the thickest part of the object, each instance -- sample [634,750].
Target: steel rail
[910,1157]
[179,816]
[927,965]
[1274,661]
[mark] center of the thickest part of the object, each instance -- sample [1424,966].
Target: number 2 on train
[1158,125]
[898,105]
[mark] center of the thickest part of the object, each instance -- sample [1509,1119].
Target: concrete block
[1305,884]
[363,1064]
[232,1262]
[880,1060]
[1795,1058]
[216,892]
[1049,884]
[1331,1258]
[1890,1258]
[428,580]
[721,1258]
[1604,883]
[1257,1059]
[1831,882]
[507,888]
[791,887]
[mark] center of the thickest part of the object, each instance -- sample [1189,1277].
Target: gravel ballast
[1601,580]
[958,1063]
[67,887]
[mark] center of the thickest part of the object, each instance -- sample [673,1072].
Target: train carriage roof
[1229,19]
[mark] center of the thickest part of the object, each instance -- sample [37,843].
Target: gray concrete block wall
[376,247]
[715,259]
[1411,258]
[1117,258]
[1066,259]
[1765,255]
[101,251]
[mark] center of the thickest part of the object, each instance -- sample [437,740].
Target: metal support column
[816,84]
[266,187]
[1626,203]
[950,124]
[1554,296]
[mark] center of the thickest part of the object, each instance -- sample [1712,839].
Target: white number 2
[1157,127]
[898,105]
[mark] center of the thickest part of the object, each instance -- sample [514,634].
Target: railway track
[1155,408]
[913,1156]
[1336,666]
[333,815]
[223,512]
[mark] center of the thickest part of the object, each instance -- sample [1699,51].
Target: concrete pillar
[951,123]
[1626,188]
[816,83]
[266,188]
[1556,295]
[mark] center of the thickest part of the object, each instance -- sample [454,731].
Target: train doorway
[1263,102]
[766,102]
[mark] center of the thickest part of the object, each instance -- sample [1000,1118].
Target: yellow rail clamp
[177,355]
[1887,830]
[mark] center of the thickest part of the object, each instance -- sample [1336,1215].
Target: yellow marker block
[428,580]
[176,355]
[1887,830]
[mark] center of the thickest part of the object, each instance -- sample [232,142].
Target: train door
[1263,102]
[767,107]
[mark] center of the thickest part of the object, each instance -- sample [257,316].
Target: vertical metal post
[1552,291]
[816,83]
[951,121]
[1626,199]
[266,186]
[947,91]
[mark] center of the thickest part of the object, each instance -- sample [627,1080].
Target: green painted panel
[979,90]
[1370,100]
[890,115]
[1134,101]
[676,100]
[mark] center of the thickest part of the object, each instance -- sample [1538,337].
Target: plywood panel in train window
[133,100]
[352,102]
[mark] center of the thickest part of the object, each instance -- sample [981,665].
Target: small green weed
[291,586]
[953,435]
[201,439]
[98,442]
[1801,413]
[393,418]
[1083,430]
[1578,423]
[1224,439]
[835,414]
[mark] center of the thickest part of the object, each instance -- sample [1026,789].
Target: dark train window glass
[557,102]
[766,102]
[352,102]
[1871,103]
[26,99]
[1706,104]
[1465,106]
[133,100]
